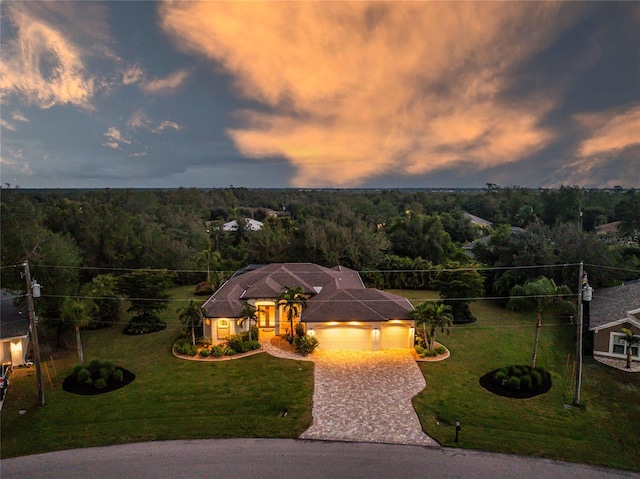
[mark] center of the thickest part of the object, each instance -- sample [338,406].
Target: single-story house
[14,331]
[611,310]
[341,312]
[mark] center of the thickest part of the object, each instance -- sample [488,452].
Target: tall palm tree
[77,312]
[630,339]
[191,316]
[207,258]
[432,316]
[293,301]
[248,313]
[543,295]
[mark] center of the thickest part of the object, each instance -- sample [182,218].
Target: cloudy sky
[319,94]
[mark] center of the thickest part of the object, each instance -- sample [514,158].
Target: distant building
[608,228]
[479,222]
[250,224]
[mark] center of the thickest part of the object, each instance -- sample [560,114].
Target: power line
[430,270]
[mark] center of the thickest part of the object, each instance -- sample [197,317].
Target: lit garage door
[343,337]
[394,336]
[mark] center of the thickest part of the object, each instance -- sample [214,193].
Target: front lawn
[169,399]
[604,432]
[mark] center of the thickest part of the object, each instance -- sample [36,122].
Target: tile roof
[367,304]
[334,294]
[611,304]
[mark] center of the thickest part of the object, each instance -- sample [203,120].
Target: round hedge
[517,381]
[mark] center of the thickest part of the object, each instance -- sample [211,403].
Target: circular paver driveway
[365,396]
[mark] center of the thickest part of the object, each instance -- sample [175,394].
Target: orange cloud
[355,90]
[598,162]
[610,131]
[165,85]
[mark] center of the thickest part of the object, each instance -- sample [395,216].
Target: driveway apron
[365,396]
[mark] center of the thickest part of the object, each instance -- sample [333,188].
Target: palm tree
[544,295]
[207,258]
[191,316]
[248,313]
[78,312]
[293,301]
[630,339]
[434,316]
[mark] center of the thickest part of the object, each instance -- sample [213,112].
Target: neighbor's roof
[611,304]
[334,294]
[250,224]
[476,220]
[13,323]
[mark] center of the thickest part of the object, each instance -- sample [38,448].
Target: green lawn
[170,398]
[174,399]
[604,432]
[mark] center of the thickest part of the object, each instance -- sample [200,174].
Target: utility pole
[581,286]
[34,331]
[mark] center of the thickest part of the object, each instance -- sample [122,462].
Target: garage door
[394,336]
[343,337]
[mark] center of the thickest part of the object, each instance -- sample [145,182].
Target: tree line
[76,240]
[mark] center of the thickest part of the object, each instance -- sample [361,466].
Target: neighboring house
[250,224]
[608,228]
[481,223]
[14,331]
[611,310]
[341,311]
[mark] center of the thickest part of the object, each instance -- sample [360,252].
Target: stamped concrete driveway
[365,396]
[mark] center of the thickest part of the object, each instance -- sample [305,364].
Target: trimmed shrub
[218,351]
[500,376]
[100,383]
[204,352]
[183,346]
[84,376]
[440,350]
[236,343]
[515,371]
[306,344]
[536,378]
[118,375]
[95,364]
[526,382]
[76,369]
[513,382]
[104,373]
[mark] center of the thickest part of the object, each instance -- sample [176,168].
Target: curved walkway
[364,396]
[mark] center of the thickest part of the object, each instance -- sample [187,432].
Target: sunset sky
[319,94]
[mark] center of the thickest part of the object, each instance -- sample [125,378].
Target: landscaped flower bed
[96,378]
[517,381]
[236,344]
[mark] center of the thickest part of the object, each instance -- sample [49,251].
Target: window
[619,345]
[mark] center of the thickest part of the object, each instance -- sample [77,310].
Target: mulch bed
[487,382]
[71,386]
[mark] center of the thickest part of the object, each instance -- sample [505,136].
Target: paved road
[289,458]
